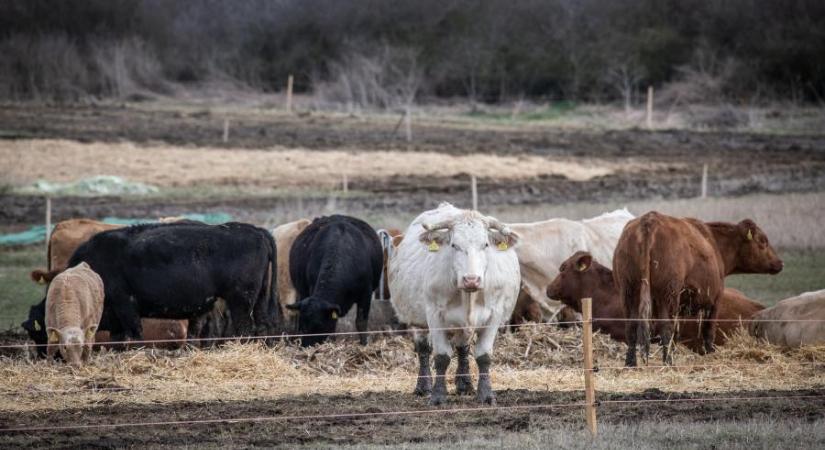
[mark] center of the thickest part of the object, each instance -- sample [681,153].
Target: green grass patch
[804,271]
[553,111]
[17,290]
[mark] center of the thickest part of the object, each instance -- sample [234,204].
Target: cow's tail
[269,293]
[40,276]
[645,301]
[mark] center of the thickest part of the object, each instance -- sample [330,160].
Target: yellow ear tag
[502,246]
[582,266]
[42,280]
[433,247]
[334,315]
[37,326]
[750,235]
[53,337]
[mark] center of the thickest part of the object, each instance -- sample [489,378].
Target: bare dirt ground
[385,429]
[517,164]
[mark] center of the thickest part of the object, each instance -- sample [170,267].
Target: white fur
[547,244]
[425,285]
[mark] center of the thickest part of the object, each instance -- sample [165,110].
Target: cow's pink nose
[471,282]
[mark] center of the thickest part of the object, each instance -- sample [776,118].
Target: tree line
[374,51]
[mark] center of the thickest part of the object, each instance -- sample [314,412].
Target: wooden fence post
[408,123]
[225,131]
[589,385]
[474,189]
[705,181]
[650,107]
[289,93]
[346,184]
[48,223]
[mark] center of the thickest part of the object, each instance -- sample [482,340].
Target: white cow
[455,273]
[547,244]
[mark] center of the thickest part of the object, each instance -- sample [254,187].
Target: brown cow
[169,333]
[580,276]
[665,265]
[74,304]
[64,240]
[527,310]
[284,237]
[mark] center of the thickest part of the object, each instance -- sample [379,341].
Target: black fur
[177,271]
[334,263]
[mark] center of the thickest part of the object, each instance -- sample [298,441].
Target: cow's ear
[584,262]
[434,239]
[54,335]
[294,306]
[748,228]
[504,241]
[90,332]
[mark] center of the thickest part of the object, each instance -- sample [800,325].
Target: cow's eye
[486,244]
[454,247]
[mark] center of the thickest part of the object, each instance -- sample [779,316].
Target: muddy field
[562,165]
[377,422]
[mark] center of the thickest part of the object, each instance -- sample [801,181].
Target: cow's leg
[423,348]
[194,329]
[240,308]
[128,326]
[484,349]
[362,317]
[443,353]
[631,303]
[666,332]
[463,380]
[709,327]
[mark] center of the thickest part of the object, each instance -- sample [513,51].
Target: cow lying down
[581,276]
[455,273]
[74,304]
[793,322]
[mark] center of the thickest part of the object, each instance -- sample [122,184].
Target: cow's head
[71,342]
[579,276]
[755,254]
[35,325]
[316,316]
[469,239]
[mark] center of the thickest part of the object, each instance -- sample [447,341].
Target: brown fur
[683,263]
[596,282]
[527,310]
[74,301]
[284,238]
[66,237]
[172,331]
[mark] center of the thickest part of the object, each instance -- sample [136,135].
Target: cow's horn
[438,226]
[494,224]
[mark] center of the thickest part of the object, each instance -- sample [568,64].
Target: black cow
[334,263]
[177,271]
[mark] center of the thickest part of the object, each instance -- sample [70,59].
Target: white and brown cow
[547,244]
[454,274]
[793,322]
[284,237]
[74,305]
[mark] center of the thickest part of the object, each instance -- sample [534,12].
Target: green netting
[98,185]
[37,233]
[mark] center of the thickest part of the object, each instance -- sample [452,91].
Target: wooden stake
[705,181]
[289,93]
[48,225]
[225,131]
[346,184]
[474,189]
[408,123]
[650,107]
[589,385]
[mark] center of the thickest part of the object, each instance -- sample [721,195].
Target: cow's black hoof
[438,399]
[464,385]
[488,398]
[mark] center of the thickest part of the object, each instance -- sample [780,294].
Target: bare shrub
[44,67]
[389,78]
[125,67]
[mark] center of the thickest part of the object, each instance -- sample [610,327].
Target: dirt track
[739,163]
[383,429]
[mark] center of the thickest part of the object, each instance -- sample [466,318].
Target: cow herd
[454,278]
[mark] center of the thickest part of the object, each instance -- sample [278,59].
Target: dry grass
[534,358]
[170,166]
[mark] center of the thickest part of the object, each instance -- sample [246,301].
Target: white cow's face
[469,241]
[469,244]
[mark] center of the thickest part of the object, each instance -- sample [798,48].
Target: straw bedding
[534,357]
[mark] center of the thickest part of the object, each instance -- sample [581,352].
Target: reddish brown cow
[64,240]
[526,310]
[580,276]
[665,265]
